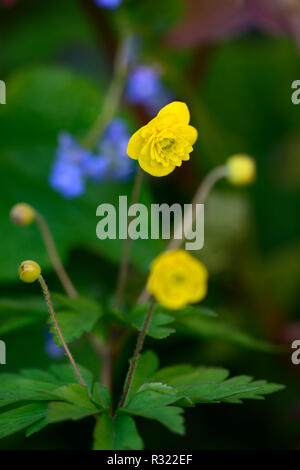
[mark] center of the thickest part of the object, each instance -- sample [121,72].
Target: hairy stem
[60,335]
[138,348]
[70,289]
[113,95]
[201,195]
[53,254]
[122,277]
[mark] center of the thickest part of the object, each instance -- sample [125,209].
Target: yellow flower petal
[179,109]
[191,134]
[177,279]
[153,167]
[135,144]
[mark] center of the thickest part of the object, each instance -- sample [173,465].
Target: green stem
[200,197]
[54,256]
[60,335]
[113,96]
[122,277]
[138,348]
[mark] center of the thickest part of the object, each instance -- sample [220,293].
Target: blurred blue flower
[108,3]
[113,146]
[67,179]
[66,175]
[143,85]
[52,350]
[96,168]
[75,165]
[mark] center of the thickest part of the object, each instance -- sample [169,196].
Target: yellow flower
[29,271]
[241,169]
[165,142]
[22,214]
[177,279]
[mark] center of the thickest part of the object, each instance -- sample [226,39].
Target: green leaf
[151,399]
[14,388]
[40,375]
[146,366]
[36,427]
[80,304]
[20,418]
[169,416]
[66,375]
[209,384]
[16,314]
[75,394]
[157,327]
[118,434]
[104,433]
[60,411]
[81,319]
[101,396]
[192,322]
[190,377]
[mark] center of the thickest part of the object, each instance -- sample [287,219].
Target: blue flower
[143,85]
[74,165]
[67,179]
[108,3]
[114,146]
[96,168]
[52,350]
[66,175]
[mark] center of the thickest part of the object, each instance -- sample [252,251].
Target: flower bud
[22,214]
[241,169]
[29,271]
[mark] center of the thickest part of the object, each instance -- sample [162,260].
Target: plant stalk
[200,197]
[114,94]
[53,254]
[123,272]
[138,348]
[60,335]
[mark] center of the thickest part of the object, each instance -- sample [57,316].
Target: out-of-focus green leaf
[101,395]
[66,375]
[163,15]
[118,434]
[214,328]
[16,314]
[158,324]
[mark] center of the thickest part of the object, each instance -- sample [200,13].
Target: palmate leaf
[118,434]
[32,384]
[53,396]
[160,394]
